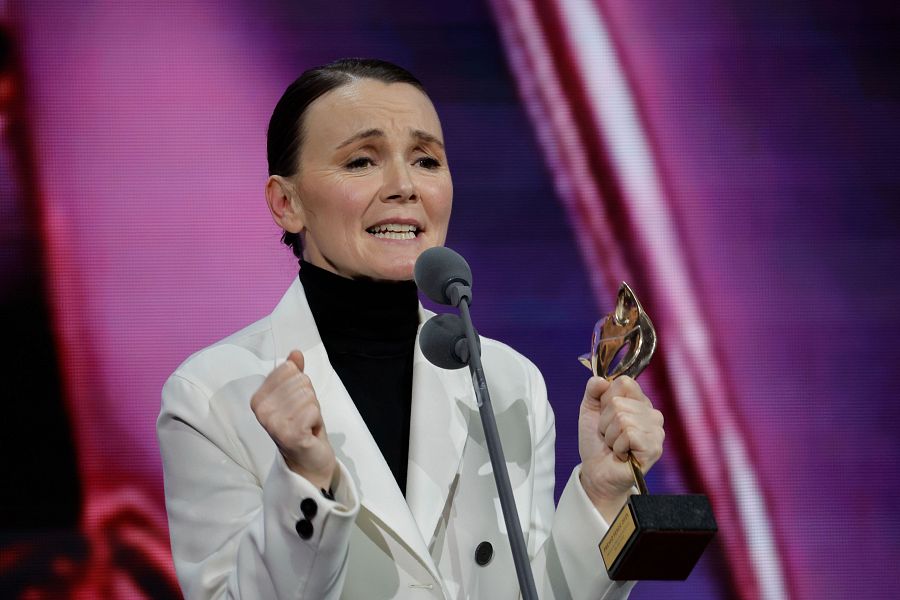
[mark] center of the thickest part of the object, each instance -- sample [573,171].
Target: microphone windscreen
[439,267]
[440,341]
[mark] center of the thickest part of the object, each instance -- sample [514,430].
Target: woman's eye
[428,162]
[360,163]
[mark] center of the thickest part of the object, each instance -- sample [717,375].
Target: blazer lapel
[441,402]
[294,328]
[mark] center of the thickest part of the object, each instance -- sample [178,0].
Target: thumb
[596,387]
[296,357]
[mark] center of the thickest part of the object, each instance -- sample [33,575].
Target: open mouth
[394,231]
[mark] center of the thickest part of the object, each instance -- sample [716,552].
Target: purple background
[776,125]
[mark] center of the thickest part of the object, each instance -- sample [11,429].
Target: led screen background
[135,232]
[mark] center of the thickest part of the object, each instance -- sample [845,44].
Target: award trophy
[654,536]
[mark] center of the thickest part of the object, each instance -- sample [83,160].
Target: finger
[283,385]
[647,446]
[321,432]
[296,357]
[306,424]
[616,405]
[297,391]
[632,423]
[278,376]
[294,422]
[260,407]
[621,446]
[628,387]
[647,417]
[593,391]
[657,418]
[619,422]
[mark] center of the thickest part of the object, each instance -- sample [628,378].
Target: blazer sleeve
[564,541]
[233,535]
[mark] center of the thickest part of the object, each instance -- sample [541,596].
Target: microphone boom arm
[495,450]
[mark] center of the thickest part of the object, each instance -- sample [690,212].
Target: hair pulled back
[284,137]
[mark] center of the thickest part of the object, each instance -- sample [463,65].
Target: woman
[316,453]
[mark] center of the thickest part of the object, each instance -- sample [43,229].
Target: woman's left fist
[616,419]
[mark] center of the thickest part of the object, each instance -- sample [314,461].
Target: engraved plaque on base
[654,536]
[658,537]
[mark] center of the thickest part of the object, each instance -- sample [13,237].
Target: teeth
[394,231]
[392,235]
[395,227]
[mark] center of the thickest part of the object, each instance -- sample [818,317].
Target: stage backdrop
[735,162]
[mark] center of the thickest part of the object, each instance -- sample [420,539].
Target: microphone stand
[460,294]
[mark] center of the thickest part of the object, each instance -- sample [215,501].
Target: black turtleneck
[369,331]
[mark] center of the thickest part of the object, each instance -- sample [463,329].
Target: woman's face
[373,186]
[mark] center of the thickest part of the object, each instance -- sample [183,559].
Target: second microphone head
[438,269]
[443,342]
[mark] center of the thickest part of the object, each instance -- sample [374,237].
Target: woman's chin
[395,265]
[397,271]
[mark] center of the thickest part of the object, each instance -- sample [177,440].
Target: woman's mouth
[394,231]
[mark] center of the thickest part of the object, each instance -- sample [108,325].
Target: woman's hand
[616,418]
[287,408]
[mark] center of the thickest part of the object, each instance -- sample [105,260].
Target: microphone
[443,342]
[443,275]
[446,278]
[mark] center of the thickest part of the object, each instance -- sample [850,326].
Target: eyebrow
[427,137]
[370,133]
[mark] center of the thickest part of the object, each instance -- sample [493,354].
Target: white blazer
[234,506]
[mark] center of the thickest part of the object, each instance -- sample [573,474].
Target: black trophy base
[658,537]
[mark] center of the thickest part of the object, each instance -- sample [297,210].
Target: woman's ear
[287,213]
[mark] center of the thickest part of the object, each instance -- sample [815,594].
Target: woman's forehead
[365,105]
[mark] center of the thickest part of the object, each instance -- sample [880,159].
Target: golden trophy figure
[653,536]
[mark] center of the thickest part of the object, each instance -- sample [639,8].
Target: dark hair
[285,134]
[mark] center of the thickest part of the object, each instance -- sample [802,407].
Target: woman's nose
[398,184]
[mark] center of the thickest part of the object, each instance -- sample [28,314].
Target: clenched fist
[287,408]
[616,418]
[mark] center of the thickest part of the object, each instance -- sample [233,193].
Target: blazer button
[309,508]
[484,552]
[304,529]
